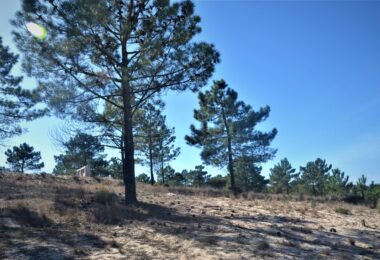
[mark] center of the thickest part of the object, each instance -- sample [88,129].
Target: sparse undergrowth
[343,211]
[47,217]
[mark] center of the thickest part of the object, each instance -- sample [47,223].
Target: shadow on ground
[26,233]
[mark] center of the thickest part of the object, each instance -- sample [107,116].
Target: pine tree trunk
[162,163]
[362,191]
[129,160]
[162,171]
[231,166]
[151,161]
[229,151]
[22,166]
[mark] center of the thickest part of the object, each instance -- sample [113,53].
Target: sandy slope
[59,218]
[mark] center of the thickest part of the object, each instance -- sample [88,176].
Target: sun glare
[37,30]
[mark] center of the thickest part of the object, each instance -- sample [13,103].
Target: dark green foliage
[342,211]
[361,185]
[115,168]
[154,140]
[372,195]
[281,176]
[187,177]
[149,122]
[217,181]
[24,157]
[198,177]
[118,54]
[81,150]
[165,174]
[144,178]
[227,130]
[248,175]
[318,178]
[16,104]
[314,176]
[337,183]
[176,179]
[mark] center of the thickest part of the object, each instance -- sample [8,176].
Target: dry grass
[66,217]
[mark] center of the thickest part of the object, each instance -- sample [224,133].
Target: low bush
[353,199]
[105,197]
[342,211]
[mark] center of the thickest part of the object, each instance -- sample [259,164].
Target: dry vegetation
[46,217]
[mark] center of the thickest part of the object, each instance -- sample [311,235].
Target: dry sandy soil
[76,218]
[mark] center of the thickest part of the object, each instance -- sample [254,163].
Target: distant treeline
[316,178]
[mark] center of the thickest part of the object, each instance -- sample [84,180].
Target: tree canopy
[118,53]
[24,157]
[81,150]
[228,129]
[281,175]
[154,139]
[16,103]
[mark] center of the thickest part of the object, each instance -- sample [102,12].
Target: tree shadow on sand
[26,234]
[33,235]
[285,236]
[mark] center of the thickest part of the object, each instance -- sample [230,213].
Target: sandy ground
[61,218]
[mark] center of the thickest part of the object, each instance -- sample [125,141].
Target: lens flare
[37,30]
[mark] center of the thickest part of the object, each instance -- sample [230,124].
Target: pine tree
[248,174]
[281,175]
[119,53]
[199,176]
[154,140]
[217,181]
[361,184]
[166,151]
[16,104]
[115,168]
[337,182]
[227,130]
[165,174]
[143,178]
[314,176]
[177,180]
[24,157]
[81,150]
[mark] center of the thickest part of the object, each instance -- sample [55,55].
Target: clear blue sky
[316,63]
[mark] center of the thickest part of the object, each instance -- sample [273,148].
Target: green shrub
[105,197]
[342,211]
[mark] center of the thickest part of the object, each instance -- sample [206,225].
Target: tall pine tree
[154,140]
[227,130]
[118,53]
